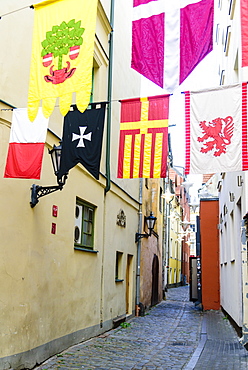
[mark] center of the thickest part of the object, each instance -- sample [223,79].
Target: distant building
[179,231]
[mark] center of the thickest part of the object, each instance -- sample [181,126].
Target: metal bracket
[140,236]
[38,191]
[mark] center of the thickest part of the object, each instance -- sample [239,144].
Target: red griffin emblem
[217,135]
[62,40]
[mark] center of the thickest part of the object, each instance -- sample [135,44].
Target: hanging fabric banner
[216,130]
[143,143]
[62,55]
[82,139]
[244,32]
[170,38]
[26,145]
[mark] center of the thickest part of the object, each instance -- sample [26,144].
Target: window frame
[85,205]
[119,266]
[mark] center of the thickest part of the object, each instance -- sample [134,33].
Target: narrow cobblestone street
[172,335]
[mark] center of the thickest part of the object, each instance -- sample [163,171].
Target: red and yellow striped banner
[143,143]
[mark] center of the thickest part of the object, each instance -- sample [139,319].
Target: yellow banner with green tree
[62,55]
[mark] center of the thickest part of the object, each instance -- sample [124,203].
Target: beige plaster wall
[153,245]
[51,294]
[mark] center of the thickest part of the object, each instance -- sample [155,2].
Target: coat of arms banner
[62,55]
[216,130]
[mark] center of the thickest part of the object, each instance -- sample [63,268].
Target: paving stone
[167,337]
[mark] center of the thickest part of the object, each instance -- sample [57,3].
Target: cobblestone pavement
[172,335]
[164,338]
[222,349]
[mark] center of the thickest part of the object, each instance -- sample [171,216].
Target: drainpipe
[137,299]
[109,109]
[164,248]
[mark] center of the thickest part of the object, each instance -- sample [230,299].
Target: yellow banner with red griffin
[62,55]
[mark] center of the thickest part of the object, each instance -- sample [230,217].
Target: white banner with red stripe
[26,145]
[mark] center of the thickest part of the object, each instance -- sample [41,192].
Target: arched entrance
[155,271]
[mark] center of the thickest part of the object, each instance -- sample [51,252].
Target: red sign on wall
[53,230]
[55,211]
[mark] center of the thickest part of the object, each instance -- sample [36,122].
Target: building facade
[210,268]
[231,186]
[57,291]
[151,266]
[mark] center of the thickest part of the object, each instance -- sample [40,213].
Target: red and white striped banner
[244,31]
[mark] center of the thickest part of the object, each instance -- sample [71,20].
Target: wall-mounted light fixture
[38,191]
[150,223]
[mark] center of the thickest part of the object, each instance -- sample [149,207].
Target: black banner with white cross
[82,139]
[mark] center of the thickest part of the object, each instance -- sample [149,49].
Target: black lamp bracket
[140,236]
[38,191]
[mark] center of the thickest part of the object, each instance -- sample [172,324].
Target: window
[118,267]
[160,200]
[222,77]
[232,237]
[217,35]
[232,4]
[84,225]
[227,40]
[192,228]
[92,86]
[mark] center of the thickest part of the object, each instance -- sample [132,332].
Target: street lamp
[38,191]
[150,223]
[56,156]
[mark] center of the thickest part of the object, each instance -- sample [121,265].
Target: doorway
[155,274]
[129,284]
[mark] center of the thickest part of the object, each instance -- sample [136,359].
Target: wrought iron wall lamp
[38,191]
[150,223]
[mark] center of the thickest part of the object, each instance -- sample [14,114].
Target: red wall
[209,219]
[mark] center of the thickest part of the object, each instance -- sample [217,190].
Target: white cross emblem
[81,137]
[159,6]
[172,32]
